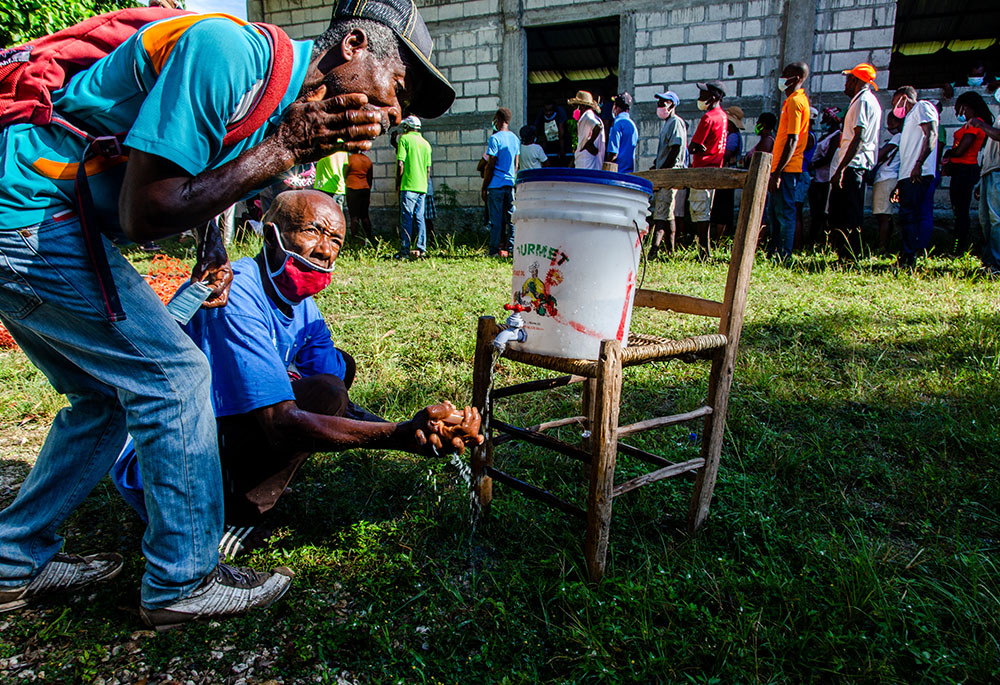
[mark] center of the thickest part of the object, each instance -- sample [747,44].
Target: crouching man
[279,385]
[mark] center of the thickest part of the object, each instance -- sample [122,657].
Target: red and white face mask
[297,278]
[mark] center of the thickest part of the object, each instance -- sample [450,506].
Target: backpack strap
[97,146]
[270,96]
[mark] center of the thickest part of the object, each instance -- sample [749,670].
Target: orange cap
[864,72]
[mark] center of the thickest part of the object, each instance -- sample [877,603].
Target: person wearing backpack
[177,92]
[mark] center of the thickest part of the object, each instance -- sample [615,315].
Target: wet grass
[853,535]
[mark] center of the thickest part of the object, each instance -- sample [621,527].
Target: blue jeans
[411,208]
[781,216]
[501,205]
[989,217]
[916,215]
[142,375]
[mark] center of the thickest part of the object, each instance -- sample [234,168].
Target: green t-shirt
[331,174]
[415,154]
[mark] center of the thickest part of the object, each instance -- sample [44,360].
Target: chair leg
[604,442]
[719,384]
[589,391]
[482,456]
[730,325]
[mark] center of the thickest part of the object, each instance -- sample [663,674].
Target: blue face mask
[961,118]
[976,81]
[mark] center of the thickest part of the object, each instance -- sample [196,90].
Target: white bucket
[576,253]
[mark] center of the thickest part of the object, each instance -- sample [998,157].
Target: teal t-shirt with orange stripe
[173,86]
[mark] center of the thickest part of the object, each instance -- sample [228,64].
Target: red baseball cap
[864,72]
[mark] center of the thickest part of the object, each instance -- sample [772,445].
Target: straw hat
[735,115]
[584,99]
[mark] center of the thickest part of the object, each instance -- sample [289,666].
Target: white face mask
[702,105]
[782,86]
[664,112]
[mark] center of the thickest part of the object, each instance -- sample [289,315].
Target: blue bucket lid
[604,178]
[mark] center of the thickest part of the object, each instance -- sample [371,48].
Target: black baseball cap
[435,95]
[714,87]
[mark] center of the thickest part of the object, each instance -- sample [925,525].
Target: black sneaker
[63,573]
[227,591]
[237,540]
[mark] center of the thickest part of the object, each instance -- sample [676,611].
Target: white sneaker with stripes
[63,573]
[227,591]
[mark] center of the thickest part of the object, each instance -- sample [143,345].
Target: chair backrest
[753,182]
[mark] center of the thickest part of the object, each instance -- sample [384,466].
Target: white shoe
[64,572]
[227,591]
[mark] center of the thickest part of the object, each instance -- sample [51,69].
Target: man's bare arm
[286,424]
[160,199]
[852,149]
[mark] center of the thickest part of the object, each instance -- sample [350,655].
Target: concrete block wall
[849,32]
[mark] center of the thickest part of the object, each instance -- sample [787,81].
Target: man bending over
[279,385]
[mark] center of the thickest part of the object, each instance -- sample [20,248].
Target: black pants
[847,206]
[255,473]
[818,194]
[964,178]
[358,202]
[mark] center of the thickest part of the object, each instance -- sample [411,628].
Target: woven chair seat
[641,348]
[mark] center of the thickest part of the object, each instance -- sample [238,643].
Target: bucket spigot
[513,330]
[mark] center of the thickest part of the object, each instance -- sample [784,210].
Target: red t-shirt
[711,133]
[971,155]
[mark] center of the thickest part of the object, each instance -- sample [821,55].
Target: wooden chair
[602,381]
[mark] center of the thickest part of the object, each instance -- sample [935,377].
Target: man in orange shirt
[786,167]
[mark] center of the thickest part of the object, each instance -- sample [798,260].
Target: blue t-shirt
[622,141]
[251,345]
[173,86]
[505,146]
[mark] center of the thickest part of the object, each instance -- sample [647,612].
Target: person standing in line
[669,155]
[989,191]
[917,162]
[708,149]
[550,127]
[331,177]
[723,205]
[359,193]
[590,146]
[765,127]
[854,156]
[886,174]
[802,190]
[623,139]
[819,189]
[962,162]
[502,152]
[786,165]
[532,154]
[413,171]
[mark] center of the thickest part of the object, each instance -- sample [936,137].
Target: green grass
[853,535]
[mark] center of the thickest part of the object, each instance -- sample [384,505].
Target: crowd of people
[826,161]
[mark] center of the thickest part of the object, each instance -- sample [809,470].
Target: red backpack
[30,73]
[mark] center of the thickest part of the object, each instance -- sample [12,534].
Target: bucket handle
[642,252]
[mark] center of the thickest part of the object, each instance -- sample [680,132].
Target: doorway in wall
[566,58]
[937,42]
